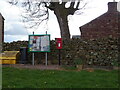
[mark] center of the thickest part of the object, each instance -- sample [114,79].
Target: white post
[33,59]
[46,55]
[33,56]
[46,58]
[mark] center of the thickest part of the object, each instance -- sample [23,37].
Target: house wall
[1,31]
[103,26]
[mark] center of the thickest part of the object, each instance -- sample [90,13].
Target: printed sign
[39,43]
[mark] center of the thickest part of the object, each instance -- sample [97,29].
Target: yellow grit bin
[8,57]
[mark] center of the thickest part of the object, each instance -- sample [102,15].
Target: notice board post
[33,56]
[46,56]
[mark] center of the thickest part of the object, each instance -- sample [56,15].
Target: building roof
[112,8]
[104,25]
[2,16]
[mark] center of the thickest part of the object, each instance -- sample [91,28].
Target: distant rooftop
[75,36]
[2,16]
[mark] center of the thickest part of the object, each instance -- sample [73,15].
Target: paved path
[42,67]
[49,67]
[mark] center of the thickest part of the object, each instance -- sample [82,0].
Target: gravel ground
[51,67]
[42,67]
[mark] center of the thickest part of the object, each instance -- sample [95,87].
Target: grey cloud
[16,29]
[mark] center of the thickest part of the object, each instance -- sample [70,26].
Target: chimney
[112,6]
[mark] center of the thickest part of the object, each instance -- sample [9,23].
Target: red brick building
[1,28]
[103,26]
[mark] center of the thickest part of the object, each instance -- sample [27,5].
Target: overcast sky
[15,29]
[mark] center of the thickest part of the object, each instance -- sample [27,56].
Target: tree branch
[51,6]
[72,4]
[13,2]
[78,3]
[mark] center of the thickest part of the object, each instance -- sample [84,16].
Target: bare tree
[36,11]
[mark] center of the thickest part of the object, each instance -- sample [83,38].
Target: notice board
[39,43]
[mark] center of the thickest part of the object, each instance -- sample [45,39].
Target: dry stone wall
[94,52]
[97,52]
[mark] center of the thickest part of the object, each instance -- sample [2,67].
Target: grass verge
[27,78]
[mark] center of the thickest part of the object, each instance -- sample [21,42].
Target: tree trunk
[63,23]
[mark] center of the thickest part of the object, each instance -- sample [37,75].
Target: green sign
[39,43]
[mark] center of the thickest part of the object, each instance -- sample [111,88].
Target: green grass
[69,67]
[26,78]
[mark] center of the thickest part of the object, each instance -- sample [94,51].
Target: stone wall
[94,52]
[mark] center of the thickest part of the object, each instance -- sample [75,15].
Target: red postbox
[59,43]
